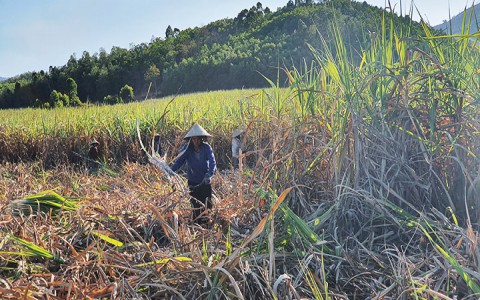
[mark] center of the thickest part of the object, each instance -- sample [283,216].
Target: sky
[37,34]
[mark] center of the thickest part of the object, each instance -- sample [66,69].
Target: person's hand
[206,180]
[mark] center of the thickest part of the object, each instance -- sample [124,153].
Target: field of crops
[361,182]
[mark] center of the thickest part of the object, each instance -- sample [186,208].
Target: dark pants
[235,162]
[201,201]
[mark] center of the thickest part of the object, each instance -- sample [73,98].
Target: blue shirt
[200,164]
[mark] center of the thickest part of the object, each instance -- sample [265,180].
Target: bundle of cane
[155,159]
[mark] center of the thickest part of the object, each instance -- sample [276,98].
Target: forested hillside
[225,54]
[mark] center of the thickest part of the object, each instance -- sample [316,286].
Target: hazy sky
[433,11]
[36,34]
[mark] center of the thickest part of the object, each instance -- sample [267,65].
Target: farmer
[93,155]
[157,145]
[201,166]
[93,151]
[237,144]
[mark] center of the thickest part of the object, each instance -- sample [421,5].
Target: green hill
[225,54]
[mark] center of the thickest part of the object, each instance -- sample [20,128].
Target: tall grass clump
[397,126]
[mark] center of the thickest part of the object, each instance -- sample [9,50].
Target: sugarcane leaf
[108,239]
[165,260]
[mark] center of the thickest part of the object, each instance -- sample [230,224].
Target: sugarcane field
[350,179]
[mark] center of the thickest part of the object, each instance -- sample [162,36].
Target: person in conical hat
[201,166]
[93,151]
[197,130]
[237,132]
[93,155]
[237,144]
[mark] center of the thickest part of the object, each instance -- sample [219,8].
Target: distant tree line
[225,54]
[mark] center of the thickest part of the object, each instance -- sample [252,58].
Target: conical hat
[196,130]
[94,142]
[237,132]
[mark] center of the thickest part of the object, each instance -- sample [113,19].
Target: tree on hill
[126,94]
[56,100]
[169,32]
[152,75]
[72,92]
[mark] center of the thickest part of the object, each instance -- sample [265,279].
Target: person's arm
[236,146]
[212,164]
[241,145]
[180,160]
